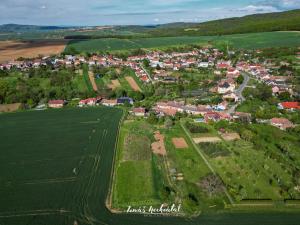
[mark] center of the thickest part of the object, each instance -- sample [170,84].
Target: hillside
[283,21]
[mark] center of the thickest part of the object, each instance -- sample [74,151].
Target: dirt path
[204,159]
[93,82]
[133,84]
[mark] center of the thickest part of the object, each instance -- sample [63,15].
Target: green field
[135,174]
[143,178]
[247,41]
[262,165]
[50,164]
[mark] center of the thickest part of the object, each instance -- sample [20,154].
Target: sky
[132,12]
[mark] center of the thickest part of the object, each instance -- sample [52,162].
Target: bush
[214,149]
[193,128]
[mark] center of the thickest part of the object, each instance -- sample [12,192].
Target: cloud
[250,9]
[281,4]
[112,12]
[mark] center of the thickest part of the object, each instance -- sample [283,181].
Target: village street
[239,92]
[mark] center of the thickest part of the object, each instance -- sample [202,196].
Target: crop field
[247,41]
[11,50]
[50,164]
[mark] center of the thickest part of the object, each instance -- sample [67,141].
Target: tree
[240,79]
[3,90]
[284,96]
[146,62]
[152,119]
[212,184]
[247,135]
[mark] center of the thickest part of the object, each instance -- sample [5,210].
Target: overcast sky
[124,12]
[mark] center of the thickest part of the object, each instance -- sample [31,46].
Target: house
[289,105]
[56,103]
[109,102]
[221,107]
[212,116]
[233,73]
[281,123]
[216,116]
[139,111]
[89,102]
[226,87]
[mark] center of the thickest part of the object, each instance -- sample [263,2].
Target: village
[233,74]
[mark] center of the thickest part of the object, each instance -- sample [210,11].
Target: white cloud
[258,9]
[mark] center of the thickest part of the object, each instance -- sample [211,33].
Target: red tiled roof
[139,110]
[290,105]
[280,121]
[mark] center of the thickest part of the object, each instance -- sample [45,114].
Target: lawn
[50,164]
[86,78]
[135,176]
[247,41]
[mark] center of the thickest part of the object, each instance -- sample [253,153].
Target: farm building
[109,102]
[139,111]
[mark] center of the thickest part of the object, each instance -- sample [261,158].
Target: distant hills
[8,28]
[282,21]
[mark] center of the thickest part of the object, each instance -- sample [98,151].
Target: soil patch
[158,147]
[179,143]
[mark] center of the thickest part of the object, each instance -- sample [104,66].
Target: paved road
[239,92]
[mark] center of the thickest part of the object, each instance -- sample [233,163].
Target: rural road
[239,93]
[146,73]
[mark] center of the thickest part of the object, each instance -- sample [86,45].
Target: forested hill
[282,21]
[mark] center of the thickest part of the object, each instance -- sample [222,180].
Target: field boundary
[108,202]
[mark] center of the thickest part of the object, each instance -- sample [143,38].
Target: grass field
[151,179]
[87,78]
[259,168]
[50,164]
[252,40]
[135,177]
